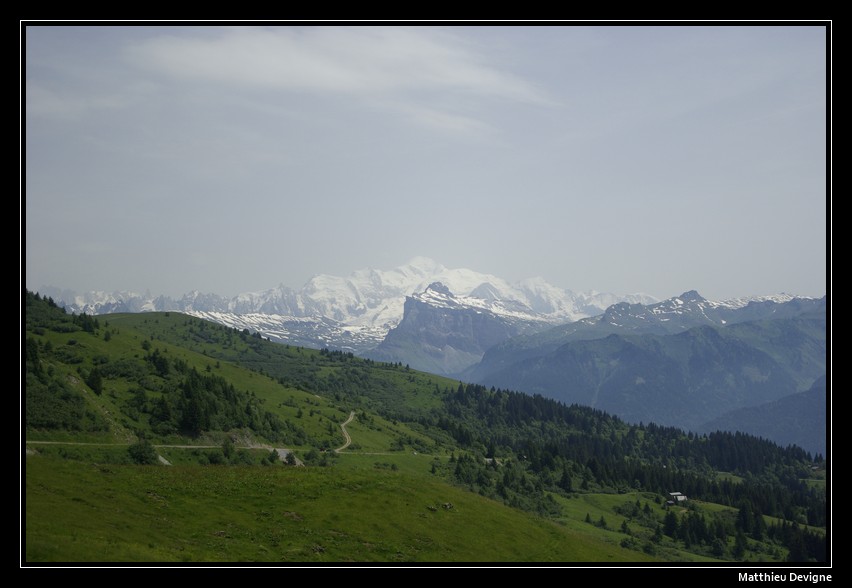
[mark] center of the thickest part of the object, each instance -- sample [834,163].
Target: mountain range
[685,361]
[670,316]
[355,313]
[626,362]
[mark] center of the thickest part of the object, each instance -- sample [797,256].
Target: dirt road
[345,434]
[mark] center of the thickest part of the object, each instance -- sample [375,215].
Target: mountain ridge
[797,419]
[670,316]
[366,304]
[678,379]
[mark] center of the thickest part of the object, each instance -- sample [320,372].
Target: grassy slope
[320,415]
[86,512]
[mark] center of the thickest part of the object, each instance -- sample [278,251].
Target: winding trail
[345,433]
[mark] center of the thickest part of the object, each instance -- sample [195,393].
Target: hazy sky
[621,159]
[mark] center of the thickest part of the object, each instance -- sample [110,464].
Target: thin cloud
[404,66]
[345,60]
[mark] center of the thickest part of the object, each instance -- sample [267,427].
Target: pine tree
[670,525]
[565,481]
[740,545]
[95,381]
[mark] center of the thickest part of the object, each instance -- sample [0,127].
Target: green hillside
[79,512]
[521,472]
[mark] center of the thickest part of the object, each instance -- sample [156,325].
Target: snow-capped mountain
[356,312]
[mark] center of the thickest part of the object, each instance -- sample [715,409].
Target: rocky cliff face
[442,333]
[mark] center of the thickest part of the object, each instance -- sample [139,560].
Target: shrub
[142,452]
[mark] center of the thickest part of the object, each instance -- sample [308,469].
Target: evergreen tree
[95,381]
[565,481]
[32,356]
[740,545]
[745,517]
[670,526]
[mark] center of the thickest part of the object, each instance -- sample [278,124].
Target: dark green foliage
[209,402]
[31,357]
[43,314]
[95,381]
[740,545]
[312,457]
[803,545]
[670,525]
[53,401]
[159,362]
[53,404]
[86,323]
[565,481]
[142,452]
[228,448]
[216,457]
[186,401]
[550,435]
[124,368]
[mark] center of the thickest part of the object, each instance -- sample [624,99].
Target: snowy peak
[368,301]
[486,291]
[625,314]
[690,309]
[438,295]
[422,266]
[746,300]
[372,299]
[438,288]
